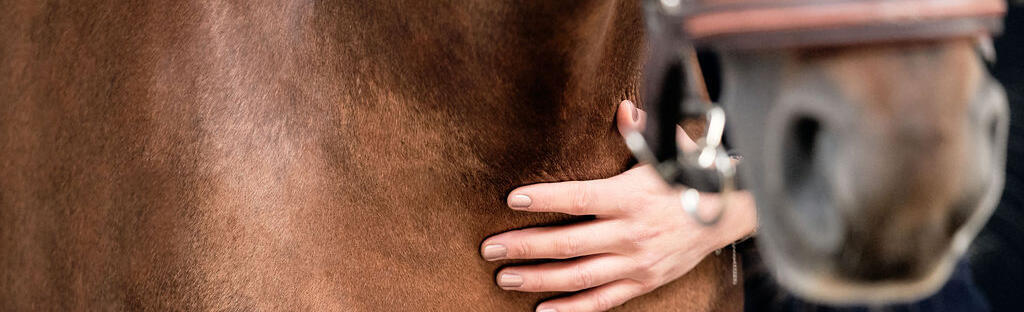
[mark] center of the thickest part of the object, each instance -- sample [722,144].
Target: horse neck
[209,155]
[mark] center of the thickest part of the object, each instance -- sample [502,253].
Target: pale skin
[640,240]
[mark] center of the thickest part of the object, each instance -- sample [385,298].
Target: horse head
[873,137]
[873,166]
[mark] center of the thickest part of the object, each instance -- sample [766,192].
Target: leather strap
[783,23]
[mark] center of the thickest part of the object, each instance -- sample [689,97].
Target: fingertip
[493,251]
[635,111]
[509,280]
[629,117]
[519,201]
[626,112]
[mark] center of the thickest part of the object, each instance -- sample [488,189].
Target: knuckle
[580,197]
[646,262]
[568,246]
[645,274]
[643,200]
[628,208]
[582,278]
[649,285]
[647,182]
[603,302]
[642,234]
[535,282]
[523,249]
[631,206]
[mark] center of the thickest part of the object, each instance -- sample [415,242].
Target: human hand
[640,239]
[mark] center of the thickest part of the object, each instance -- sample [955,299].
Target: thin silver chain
[735,275]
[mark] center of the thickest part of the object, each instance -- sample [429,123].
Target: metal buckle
[672,90]
[711,155]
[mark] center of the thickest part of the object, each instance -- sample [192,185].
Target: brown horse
[327,155]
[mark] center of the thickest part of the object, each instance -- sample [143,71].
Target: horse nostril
[806,184]
[800,147]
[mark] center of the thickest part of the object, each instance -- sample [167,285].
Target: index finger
[594,197]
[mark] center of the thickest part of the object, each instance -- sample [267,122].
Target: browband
[759,24]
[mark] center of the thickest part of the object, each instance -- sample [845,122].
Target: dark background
[997,255]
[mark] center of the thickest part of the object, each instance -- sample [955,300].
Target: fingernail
[636,112]
[510,280]
[547,310]
[519,201]
[494,252]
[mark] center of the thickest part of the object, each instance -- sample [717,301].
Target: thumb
[629,118]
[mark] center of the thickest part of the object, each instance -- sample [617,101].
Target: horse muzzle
[860,200]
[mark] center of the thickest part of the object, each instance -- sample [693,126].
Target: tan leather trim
[856,34]
[831,15]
